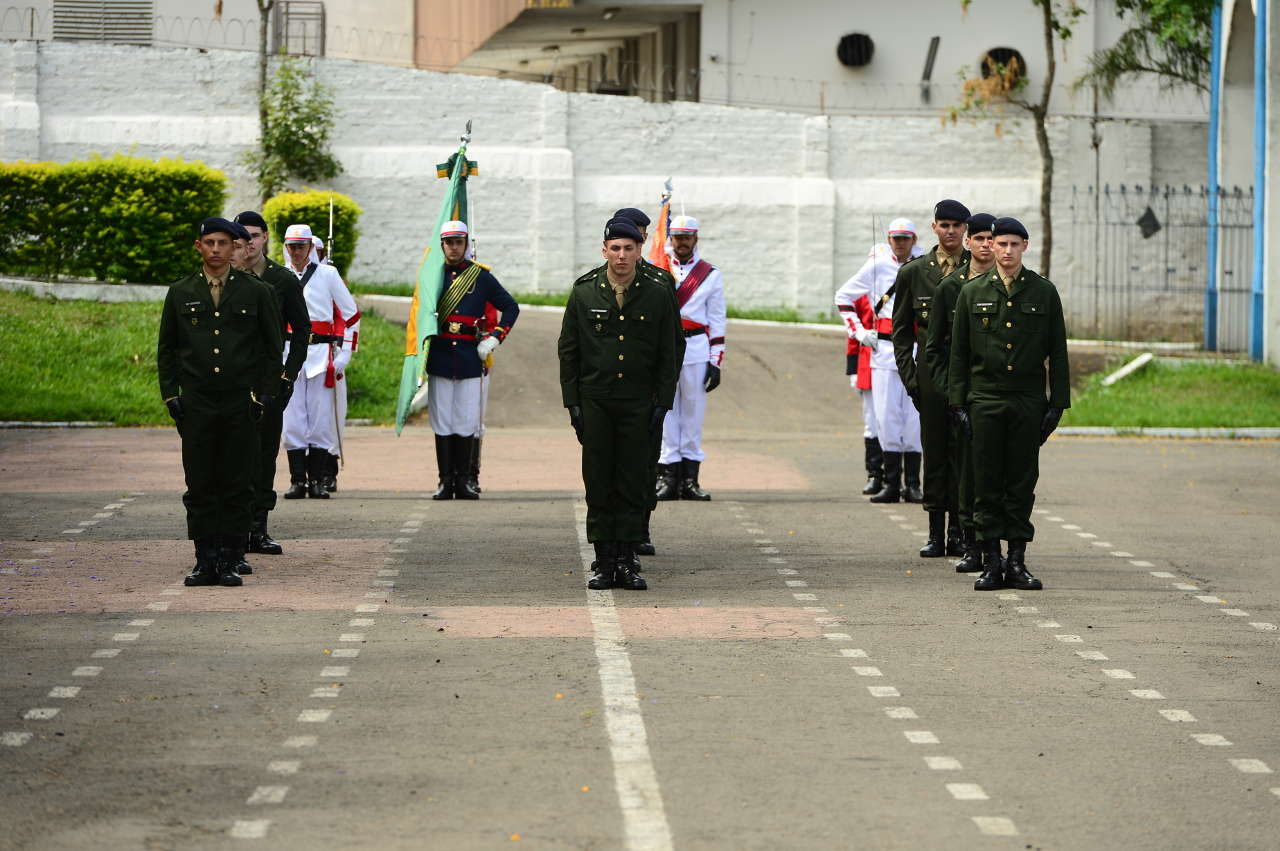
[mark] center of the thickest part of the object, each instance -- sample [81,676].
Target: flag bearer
[911,315]
[455,360]
[1008,326]
[700,297]
[618,379]
[330,478]
[296,328]
[218,359]
[311,437]
[897,421]
[938,353]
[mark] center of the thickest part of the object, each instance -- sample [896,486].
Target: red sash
[693,280]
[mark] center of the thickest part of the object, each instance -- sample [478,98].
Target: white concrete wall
[789,203]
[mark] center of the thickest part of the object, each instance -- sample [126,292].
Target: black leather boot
[689,487]
[875,465]
[936,547]
[444,464]
[602,568]
[206,570]
[892,490]
[462,448]
[478,444]
[297,474]
[667,486]
[316,467]
[231,561]
[992,578]
[259,539]
[911,473]
[955,546]
[972,561]
[645,547]
[626,568]
[1016,574]
[330,480]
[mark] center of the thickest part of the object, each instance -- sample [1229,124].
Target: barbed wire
[654,82]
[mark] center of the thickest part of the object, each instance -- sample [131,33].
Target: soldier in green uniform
[914,288]
[218,358]
[618,379]
[296,328]
[1008,325]
[938,354]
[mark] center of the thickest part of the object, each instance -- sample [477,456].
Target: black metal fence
[1136,259]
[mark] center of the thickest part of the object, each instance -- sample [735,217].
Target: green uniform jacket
[1000,341]
[607,352]
[293,314]
[233,347]
[912,305]
[937,347]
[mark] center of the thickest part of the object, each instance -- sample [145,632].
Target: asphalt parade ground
[418,674]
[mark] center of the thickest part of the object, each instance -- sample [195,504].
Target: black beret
[217,224]
[241,232]
[949,210]
[1007,225]
[980,222]
[622,228]
[251,219]
[636,216]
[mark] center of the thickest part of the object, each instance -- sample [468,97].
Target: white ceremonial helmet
[298,233]
[683,224]
[453,229]
[901,227]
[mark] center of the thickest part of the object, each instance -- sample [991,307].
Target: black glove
[258,406]
[175,408]
[960,416]
[712,380]
[1049,424]
[658,415]
[286,393]
[914,395]
[575,420]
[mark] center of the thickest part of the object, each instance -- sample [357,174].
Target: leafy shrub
[312,208]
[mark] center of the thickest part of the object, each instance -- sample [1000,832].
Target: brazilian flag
[422,315]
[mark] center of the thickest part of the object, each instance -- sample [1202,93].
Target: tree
[1170,39]
[264,17]
[298,117]
[1007,83]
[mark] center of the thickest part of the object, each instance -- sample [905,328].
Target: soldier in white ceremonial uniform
[330,480]
[700,294]
[897,421]
[310,437]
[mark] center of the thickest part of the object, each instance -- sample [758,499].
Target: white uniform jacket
[333,312]
[873,281]
[705,309]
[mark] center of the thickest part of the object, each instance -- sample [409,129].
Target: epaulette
[589,277]
[483,266]
[914,259]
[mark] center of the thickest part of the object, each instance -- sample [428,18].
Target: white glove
[340,360]
[486,346]
[867,337]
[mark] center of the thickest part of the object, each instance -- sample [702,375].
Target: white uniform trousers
[453,404]
[897,420]
[341,386]
[682,429]
[869,427]
[309,417]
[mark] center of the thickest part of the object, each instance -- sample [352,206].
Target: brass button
[217,351]
[1009,304]
[1009,367]
[622,357]
[620,316]
[216,331]
[1008,345]
[619,374]
[455,342]
[216,313]
[217,369]
[620,337]
[1008,324]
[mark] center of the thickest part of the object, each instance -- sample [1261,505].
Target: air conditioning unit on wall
[109,21]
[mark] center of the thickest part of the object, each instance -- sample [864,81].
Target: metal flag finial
[466,137]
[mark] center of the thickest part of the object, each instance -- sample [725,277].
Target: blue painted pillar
[1215,107]
[1259,179]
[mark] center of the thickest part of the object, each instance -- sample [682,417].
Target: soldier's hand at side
[960,416]
[712,379]
[575,420]
[867,337]
[657,416]
[175,408]
[286,393]
[258,406]
[914,395]
[1049,424]
[486,346]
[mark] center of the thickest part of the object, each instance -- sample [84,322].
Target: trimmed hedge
[312,208]
[120,218]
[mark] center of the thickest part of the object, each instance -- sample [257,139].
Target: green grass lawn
[80,360]
[1192,395]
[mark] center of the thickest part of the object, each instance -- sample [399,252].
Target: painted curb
[1242,433]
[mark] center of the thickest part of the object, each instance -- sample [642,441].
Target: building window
[110,21]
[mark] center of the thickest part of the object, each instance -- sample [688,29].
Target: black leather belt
[694,332]
[325,338]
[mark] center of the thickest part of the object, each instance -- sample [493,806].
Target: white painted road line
[1209,598]
[920,737]
[1264,626]
[1186,586]
[161,606]
[900,712]
[643,814]
[1235,613]
[250,829]
[1250,766]
[1158,574]
[314,716]
[367,608]
[335,671]
[883,691]
[345,653]
[995,825]
[853,652]
[64,691]
[86,671]
[1178,716]
[104,653]
[1069,639]
[867,671]
[125,636]
[268,795]
[1026,610]
[1146,694]
[1211,739]
[967,792]
[837,636]
[805,596]
[40,713]
[1049,625]
[284,766]
[301,741]
[1118,673]
[14,739]
[351,636]
[942,763]
[1094,655]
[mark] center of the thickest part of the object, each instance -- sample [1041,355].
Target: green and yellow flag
[422,314]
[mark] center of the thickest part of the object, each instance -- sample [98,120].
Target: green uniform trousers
[219,458]
[1006,462]
[264,477]
[938,441]
[617,467]
[962,455]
